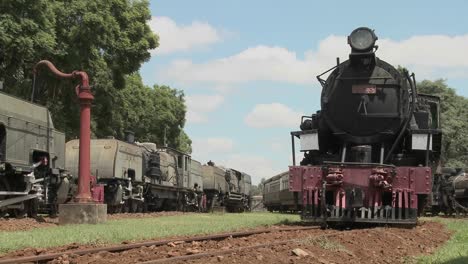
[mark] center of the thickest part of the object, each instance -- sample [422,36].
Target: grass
[116,231]
[455,251]
[324,243]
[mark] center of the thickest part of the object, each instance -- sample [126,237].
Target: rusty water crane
[85,210]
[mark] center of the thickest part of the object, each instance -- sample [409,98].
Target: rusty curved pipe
[83,75]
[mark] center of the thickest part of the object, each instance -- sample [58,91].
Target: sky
[248,68]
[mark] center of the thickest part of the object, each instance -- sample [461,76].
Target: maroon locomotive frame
[360,192]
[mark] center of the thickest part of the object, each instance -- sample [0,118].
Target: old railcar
[278,197]
[31,159]
[450,192]
[227,188]
[139,176]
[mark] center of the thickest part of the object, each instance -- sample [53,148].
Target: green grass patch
[116,231]
[455,251]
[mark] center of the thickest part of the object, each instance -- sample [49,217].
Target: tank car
[370,152]
[139,176]
[32,175]
[228,188]
[278,197]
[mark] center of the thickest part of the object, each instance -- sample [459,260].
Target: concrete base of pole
[75,213]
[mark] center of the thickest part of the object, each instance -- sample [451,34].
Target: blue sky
[248,67]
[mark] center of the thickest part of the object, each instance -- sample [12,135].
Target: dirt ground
[374,245]
[12,224]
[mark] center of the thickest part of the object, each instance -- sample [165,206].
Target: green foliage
[153,114]
[258,189]
[107,39]
[456,249]
[116,231]
[454,122]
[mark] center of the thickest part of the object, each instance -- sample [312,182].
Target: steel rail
[125,247]
[217,253]
[229,251]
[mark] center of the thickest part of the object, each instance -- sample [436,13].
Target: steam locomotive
[371,151]
[138,177]
[38,171]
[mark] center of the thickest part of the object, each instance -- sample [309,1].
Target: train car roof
[276,177]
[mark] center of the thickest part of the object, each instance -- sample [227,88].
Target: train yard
[290,243]
[376,179]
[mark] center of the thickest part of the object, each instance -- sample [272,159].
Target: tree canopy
[109,40]
[454,122]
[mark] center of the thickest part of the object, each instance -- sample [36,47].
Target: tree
[454,122]
[154,114]
[27,33]
[107,39]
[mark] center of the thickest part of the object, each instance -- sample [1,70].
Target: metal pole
[293,150]
[382,151]
[84,188]
[427,148]
[343,154]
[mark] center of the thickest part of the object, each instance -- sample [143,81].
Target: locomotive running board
[15,200]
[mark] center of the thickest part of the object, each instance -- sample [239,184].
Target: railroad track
[119,248]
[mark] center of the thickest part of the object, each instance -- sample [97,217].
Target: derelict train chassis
[369,153]
[32,176]
[139,177]
[227,188]
[450,192]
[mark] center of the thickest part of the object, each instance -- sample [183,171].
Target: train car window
[131,174]
[40,156]
[2,143]
[180,162]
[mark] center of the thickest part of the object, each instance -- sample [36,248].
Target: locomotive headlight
[362,39]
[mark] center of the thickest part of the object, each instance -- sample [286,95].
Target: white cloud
[174,37]
[212,148]
[198,106]
[256,166]
[221,151]
[257,63]
[272,115]
[429,56]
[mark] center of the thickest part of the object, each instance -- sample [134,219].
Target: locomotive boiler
[370,152]
[32,175]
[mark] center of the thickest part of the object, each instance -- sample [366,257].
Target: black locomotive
[370,152]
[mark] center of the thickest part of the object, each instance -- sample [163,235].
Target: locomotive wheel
[18,213]
[32,207]
[135,206]
[125,207]
[3,187]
